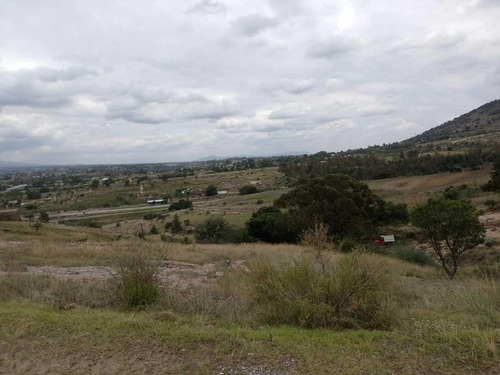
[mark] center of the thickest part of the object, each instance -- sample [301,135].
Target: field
[415,189]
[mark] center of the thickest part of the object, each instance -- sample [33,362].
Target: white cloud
[122,82]
[253,24]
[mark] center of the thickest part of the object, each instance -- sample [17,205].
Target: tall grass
[136,276]
[347,294]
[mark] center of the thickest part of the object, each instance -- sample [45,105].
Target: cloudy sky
[93,81]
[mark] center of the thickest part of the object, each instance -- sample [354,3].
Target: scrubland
[249,309]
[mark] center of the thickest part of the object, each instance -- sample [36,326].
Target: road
[106,212]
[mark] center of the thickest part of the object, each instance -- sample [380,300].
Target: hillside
[484,120]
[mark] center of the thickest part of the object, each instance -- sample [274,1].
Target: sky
[129,81]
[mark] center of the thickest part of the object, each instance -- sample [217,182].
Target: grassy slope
[155,342]
[411,190]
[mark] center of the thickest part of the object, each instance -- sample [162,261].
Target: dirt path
[174,275]
[28,356]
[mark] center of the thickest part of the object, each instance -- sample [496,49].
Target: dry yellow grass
[415,189]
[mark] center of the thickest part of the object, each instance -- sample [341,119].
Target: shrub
[43,217]
[347,245]
[33,194]
[150,216]
[175,225]
[182,204]
[349,295]
[491,203]
[136,276]
[91,223]
[248,189]
[153,230]
[408,254]
[405,253]
[211,190]
[451,193]
[9,216]
[259,202]
[212,230]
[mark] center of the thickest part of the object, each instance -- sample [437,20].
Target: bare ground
[35,357]
[173,275]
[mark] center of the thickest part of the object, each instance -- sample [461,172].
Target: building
[18,188]
[156,201]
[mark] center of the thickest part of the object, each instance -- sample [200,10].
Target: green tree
[211,191]
[248,189]
[44,217]
[33,194]
[176,226]
[212,230]
[153,230]
[494,183]
[452,228]
[347,206]
[269,224]
[180,205]
[94,184]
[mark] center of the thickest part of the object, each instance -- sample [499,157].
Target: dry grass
[100,254]
[416,189]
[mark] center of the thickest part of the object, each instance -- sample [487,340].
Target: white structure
[389,238]
[156,201]
[221,192]
[18,188]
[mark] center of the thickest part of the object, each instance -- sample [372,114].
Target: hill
[467,142]
[484,120]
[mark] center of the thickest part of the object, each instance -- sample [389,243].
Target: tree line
[374,167]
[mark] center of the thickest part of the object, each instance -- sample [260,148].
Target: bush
[350,295]
[451,193]
[408,254]
[347,245]
[491,203]
[153,230]
[212,230]
[91,223]
[9,216]
[150,216]
[211,190]
[180,205]
[33,194]
[248,189]
[404,253]
[136,277]
[269,224]
[44,217]
[175,225]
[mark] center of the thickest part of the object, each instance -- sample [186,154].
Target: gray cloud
[117,81]
[334,46]
[253,24]
[208,6]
